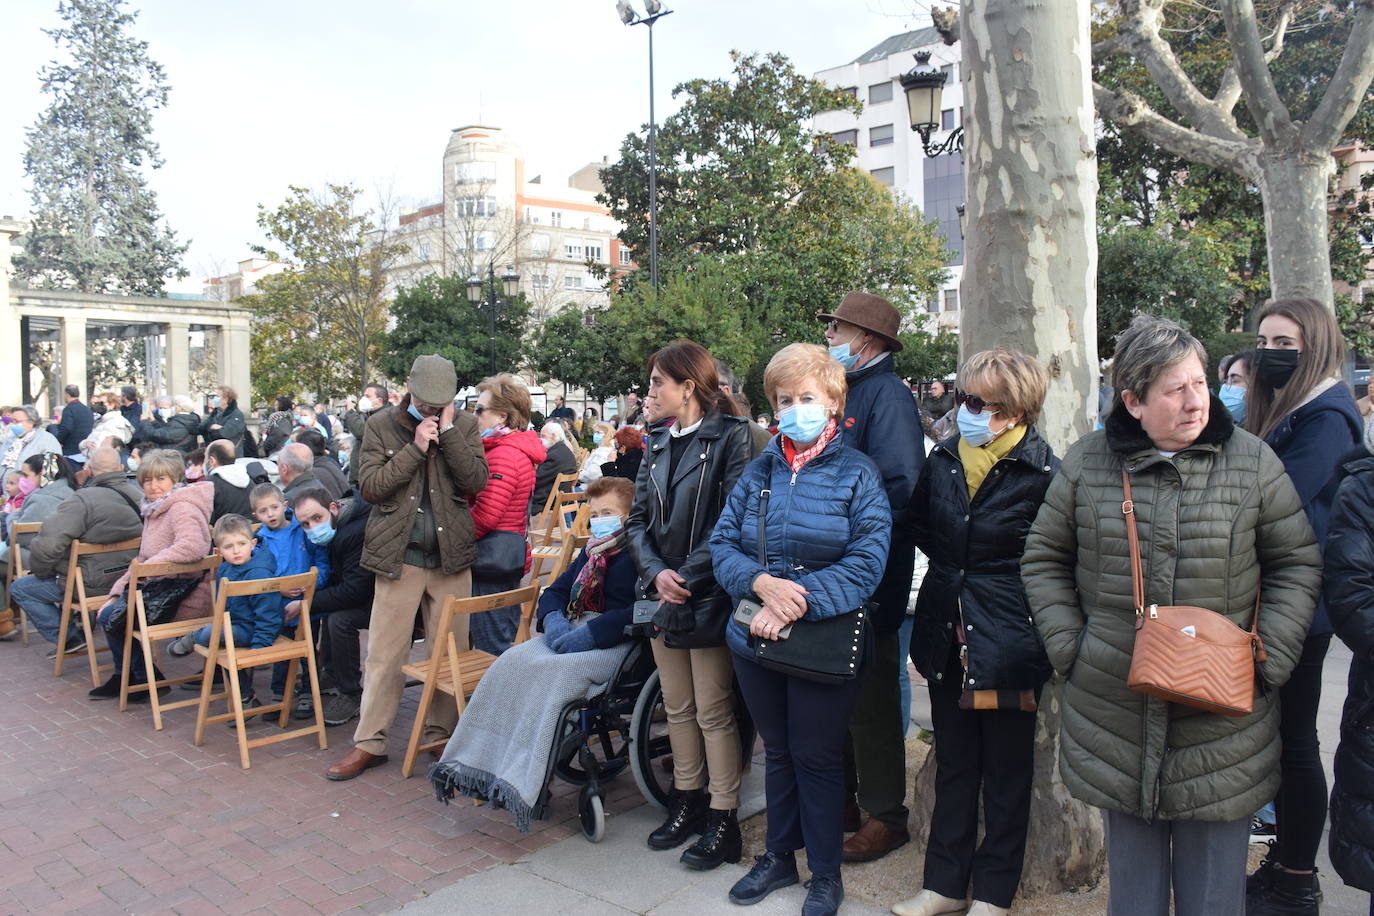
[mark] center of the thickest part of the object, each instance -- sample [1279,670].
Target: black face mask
[1276,367]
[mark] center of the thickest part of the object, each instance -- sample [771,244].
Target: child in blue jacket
[255,619]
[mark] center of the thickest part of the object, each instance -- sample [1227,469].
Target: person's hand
[783,596]
[291,611]
[767,624]
[216,426]
[292,592]
[426,432]
[446,415]
[671,587]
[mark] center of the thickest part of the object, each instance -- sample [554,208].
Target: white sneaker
[982,908]
[929,903]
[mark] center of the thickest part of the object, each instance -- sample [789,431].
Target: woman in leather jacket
[688,470]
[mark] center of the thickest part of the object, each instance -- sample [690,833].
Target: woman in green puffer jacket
[1218,520]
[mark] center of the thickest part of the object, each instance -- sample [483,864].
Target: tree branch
[1280,30]
[1131,111]
[1140,33]
[1247,50]
[1348,85]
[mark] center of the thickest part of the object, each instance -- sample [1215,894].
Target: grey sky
[266,94]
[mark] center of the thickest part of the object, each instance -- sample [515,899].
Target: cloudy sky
[266,94]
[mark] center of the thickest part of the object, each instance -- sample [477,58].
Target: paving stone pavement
[100,813]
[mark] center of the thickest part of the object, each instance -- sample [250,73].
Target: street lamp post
[655,11]
[510,286]
[923,86]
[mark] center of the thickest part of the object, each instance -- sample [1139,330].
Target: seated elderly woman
[1220,526]
[826,529]
[500,750]
[176,529]
[111,428]
[603,450]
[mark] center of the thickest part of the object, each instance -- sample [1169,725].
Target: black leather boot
[1287,895]
[720,842]
[686,816]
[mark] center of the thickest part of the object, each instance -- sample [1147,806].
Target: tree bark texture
[1030,276]
[1294,188]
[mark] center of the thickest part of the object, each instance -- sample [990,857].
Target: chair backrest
[16,560]
[527,597]
[563,483]
[554,520]
[76,579]
[140,572]
[225,590]
[571,545]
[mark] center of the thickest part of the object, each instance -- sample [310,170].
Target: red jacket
[504,504]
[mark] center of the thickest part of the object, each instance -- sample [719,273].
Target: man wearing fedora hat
[880,420]
[421,465]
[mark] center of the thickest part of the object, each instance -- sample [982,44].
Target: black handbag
[161,597]
[500,554]
[830,650]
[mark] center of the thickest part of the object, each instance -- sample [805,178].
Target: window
[572,281]
[539,245]
[842,137]
[573,250]
[850,91]
[592,251]
[482,242]
[947,119]
[475,206]
[880,136]
[880,92]
[932,305]
[625,256]
[948,71]
[951,300]
[943,180]
[422,251]
[884,176]
[555,218]
[473,172]
[539,281]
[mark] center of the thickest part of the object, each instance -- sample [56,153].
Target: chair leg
[23,627]
[236,698]
[63,628]
[288,694]
[92,653]
[147,643]
[128,663]
[418,730]
[203,710]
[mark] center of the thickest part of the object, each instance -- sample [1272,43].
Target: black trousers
[340,653]
[1300,806]
[803,725]
[991,750]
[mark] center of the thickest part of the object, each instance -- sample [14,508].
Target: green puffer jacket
[1216,522]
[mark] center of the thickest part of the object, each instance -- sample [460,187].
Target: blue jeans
[242,637]
[41,600]
[114,636]
[903,673]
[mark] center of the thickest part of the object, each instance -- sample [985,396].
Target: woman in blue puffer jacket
[827,524]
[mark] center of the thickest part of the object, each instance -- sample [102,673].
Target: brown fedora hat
[872,313]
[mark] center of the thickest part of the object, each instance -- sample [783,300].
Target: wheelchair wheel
[649,743]
[591,814]
[613,756]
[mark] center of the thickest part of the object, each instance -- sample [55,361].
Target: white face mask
[364,404]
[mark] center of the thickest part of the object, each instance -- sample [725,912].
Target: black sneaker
[106,691]
[771,872]
[304,708]
[340,708]
[75,644]
[248,705]
[823,896]
[1261,832]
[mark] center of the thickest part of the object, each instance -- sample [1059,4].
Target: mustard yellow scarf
[979,460]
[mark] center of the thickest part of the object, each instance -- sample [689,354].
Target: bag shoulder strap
[124,496]
[763,527]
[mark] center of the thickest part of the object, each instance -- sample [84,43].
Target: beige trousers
[388,648]
[699,698]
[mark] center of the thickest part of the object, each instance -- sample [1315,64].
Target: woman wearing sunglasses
[973,639]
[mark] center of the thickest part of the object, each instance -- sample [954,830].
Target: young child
[256,619]
[14,500]
[295,553]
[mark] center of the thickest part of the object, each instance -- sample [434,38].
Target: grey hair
[296,457]
[1146,350]
[165,400]
[184,404]
[27,410]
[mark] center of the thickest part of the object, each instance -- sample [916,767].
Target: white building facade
[889,150]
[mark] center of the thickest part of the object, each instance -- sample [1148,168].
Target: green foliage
[318,325]
[96,223]
[927,356]
[1141,270]
[583,349]
[435,316]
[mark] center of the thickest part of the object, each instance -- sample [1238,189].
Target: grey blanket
[500,750]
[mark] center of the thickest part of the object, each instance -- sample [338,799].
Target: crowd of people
[774,562]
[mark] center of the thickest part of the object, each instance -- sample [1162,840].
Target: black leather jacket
[671,522]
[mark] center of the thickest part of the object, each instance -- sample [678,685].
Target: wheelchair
[623,727]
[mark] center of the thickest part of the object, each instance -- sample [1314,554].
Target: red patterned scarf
[589,589]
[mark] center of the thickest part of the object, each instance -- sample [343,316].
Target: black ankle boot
[720,842]
[1287,894]
[686,816]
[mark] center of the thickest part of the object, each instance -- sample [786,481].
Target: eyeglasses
[478,409]
[974,403]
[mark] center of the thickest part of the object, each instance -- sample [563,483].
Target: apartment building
[887,148]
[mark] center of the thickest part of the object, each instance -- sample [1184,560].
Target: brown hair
[510,397]
[1323,353]
[232,524]
[1015,380]
[228,393]
[620,487]
[684,360]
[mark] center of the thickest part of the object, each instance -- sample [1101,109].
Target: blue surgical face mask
[1233,397]
[606,525]
[419,417]
[488,433]
[974,429]
[843,356]
[803,423]
[321,535]
[596,438]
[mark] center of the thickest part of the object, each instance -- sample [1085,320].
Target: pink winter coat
[178,531]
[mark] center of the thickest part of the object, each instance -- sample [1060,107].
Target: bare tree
[1289,161]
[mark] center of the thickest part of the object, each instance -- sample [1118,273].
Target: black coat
[1349,593]
[975,563]
[350,586]
[232,425]
[671,522]
[76,424]
[627,465]
[559,460]
[178,433]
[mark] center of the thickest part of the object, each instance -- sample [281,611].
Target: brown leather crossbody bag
[1189,655]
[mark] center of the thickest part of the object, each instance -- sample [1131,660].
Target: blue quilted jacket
[828,527]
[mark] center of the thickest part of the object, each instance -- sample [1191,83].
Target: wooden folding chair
[452,672]
[568,550]
[558,523]
[223,653]
[14,568]
[544,558]
[545,521]
[148,636]
[77,600]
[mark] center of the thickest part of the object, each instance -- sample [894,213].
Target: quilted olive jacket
[1217,521]
[392,475]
